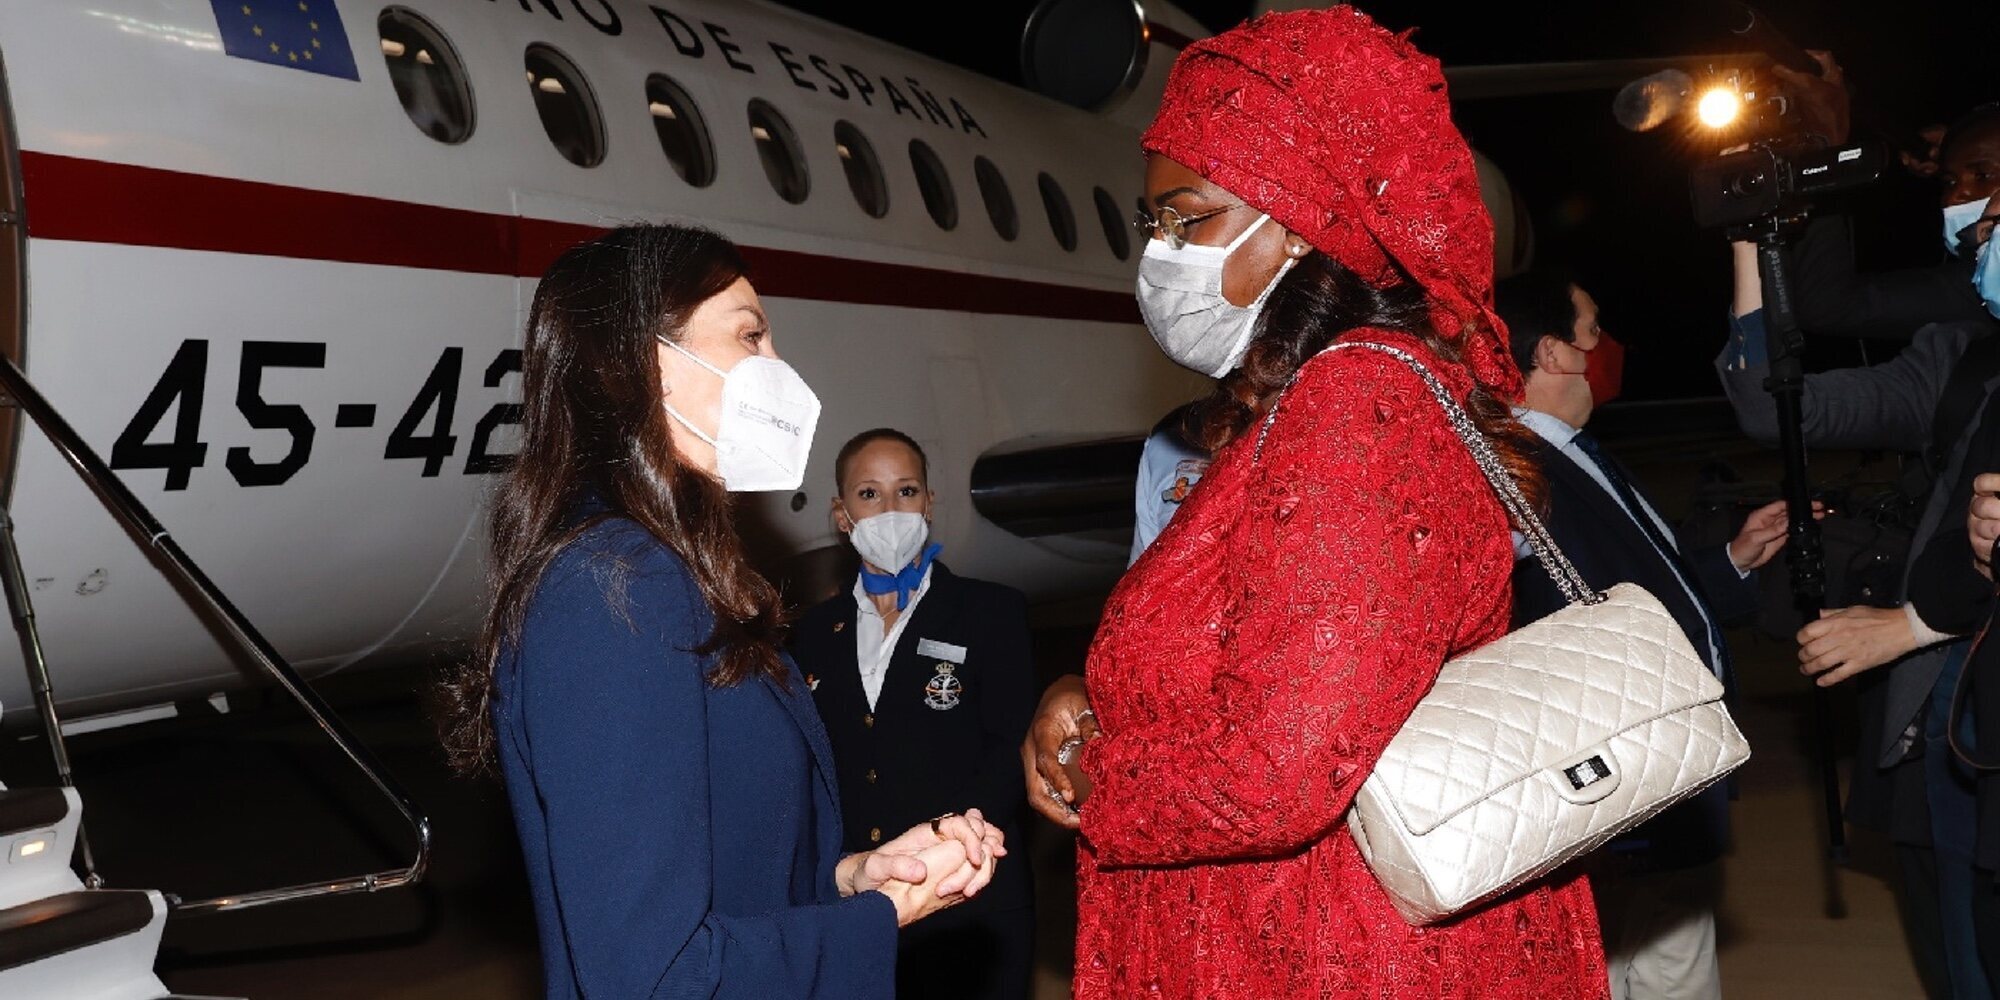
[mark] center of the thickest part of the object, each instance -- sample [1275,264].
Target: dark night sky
[1613,204]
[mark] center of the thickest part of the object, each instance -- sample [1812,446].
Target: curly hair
[1317,303]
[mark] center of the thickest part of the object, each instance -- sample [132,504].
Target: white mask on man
[767,423]
[1180,298]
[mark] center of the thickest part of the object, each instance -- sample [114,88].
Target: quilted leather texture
[1471,799]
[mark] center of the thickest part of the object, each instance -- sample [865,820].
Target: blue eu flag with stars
[301,34]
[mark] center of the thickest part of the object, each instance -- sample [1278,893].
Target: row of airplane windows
[431,83]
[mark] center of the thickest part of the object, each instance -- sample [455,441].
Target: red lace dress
[1250,668]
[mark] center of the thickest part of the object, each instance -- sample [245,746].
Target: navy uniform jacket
[1601,541]
[930,745]
[680,838]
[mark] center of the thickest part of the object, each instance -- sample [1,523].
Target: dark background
[1611,204]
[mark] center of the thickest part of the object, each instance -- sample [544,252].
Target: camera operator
[1832,298]
[1924,400]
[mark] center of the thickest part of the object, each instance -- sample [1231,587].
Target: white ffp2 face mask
[766,430]
[891,540]
[1180,297]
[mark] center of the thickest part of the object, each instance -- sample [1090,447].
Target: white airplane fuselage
[291,319]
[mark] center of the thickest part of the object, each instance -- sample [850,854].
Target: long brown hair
[593,429]
[1314,305]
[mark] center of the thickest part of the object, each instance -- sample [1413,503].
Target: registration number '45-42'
[424,431]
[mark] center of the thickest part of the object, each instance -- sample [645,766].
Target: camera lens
[1747,184]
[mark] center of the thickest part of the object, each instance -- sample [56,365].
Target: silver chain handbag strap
[1522,513]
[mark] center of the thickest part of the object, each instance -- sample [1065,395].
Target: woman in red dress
[1306,185]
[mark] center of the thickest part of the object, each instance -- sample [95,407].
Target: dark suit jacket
[909,759]
[1950,595]
[680,838]
[1597,536]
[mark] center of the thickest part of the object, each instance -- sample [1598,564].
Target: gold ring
[938,824]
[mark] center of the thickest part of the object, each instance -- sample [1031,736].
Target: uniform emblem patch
[941,694]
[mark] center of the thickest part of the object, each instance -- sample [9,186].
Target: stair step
[24,809]
[33,931]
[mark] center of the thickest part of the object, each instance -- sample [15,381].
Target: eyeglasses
[1171,225]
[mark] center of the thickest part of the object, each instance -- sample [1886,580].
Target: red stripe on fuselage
[91,201]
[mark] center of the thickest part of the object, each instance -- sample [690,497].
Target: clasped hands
[930,867]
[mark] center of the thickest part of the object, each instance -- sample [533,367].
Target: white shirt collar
[1552,429]
[873,646]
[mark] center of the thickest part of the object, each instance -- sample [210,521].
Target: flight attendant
[670,782]
[925,682]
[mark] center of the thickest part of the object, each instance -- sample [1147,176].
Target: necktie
[1629,498]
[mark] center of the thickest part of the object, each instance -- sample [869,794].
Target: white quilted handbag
[1531,751]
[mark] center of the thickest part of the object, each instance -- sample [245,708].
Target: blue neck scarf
[904,583]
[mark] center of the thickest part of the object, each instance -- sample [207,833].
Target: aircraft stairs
[58,938]
[70,937]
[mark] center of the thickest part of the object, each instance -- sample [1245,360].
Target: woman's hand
[1061,715]
[1847,641]
[917,900]
[903,859]
[1982,521]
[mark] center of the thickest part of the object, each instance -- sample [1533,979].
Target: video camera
[1784,164]
[1776,177]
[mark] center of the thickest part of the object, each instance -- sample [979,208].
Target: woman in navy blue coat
[670,780]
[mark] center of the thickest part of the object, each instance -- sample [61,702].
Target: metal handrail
[141,523]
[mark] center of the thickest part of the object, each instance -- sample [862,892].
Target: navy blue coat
[680,838]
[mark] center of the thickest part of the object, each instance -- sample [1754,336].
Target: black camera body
[1777,177]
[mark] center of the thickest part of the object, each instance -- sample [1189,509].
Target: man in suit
[1655,886]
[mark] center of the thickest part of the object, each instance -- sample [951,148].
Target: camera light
[1719,106]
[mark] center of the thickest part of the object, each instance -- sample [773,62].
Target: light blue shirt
[1563,437]
[1168,468]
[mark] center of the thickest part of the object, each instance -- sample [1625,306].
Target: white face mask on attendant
[892,540]
[1180,297]
[766,429]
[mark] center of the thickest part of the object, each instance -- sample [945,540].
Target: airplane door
[13,301]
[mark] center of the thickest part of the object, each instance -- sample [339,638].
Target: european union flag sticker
[301,34]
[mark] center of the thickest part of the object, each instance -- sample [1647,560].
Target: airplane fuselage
[290,316]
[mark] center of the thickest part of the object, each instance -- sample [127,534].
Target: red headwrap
[1342,132]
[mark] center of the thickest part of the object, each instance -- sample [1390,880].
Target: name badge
[931,649]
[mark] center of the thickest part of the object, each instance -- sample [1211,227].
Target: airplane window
[935,184]
[864,171]
[778,146]
[567,106]
[999,200]
[1114,227]
[683,133]
[427,74]
[1061,219]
